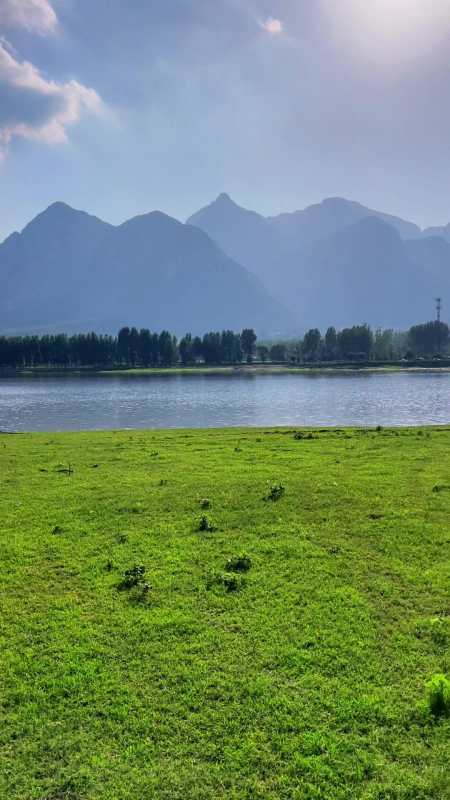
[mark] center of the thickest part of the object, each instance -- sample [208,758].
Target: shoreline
[231,370]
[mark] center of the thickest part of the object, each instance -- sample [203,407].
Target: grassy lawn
[303,678]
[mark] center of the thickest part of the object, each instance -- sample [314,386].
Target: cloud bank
[36,16]
[32,107]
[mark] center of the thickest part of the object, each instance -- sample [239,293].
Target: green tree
[311,344]
[186,349]
[248,341]
[278,352]
[331,344]
[429,339]
[262,352]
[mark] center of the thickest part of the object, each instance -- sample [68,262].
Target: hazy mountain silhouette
[337,262]
[244,235]
[360,273]
[69,270]
[443,231]
[332,214]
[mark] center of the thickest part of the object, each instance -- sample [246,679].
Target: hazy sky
[122,106]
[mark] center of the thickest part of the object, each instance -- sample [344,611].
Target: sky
[120,107]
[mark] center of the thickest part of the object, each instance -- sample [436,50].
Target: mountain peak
[223,197]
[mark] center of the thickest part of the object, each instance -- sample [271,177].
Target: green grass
[303,680]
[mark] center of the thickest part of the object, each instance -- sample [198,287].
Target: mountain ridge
[149,271]
[336,231]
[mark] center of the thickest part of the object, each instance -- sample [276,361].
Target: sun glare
[391,30]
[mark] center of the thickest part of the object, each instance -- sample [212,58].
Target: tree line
[130,348]
[133,347]
[361,343]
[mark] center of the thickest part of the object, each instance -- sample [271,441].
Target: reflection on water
[171,401]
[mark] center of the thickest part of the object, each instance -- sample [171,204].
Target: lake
[92,402]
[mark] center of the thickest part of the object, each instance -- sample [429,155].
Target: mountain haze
[69,270]
[336,262]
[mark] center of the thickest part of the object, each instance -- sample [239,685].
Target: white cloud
[35,108]
[272,26]
[37,16]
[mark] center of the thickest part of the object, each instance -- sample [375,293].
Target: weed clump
[240,563]
[231,583]
[438,695]
[205,503]
[205,524]
[275,493]
[133,577]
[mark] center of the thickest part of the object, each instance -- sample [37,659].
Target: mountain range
[70,271]
[337,262]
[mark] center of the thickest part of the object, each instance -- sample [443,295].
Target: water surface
[55,403]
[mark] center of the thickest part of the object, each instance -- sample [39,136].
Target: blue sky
[120,107]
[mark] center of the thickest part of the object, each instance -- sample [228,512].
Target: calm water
[94,402]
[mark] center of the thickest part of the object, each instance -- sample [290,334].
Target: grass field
[302,678]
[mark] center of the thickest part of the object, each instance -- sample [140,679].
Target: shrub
[438,695]
[231,583]
[240,563]
[276,492]
[205,503]
[132,577]
[57,530]
[205,524]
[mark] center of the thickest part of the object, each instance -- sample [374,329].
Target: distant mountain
[332,214]
[337,262]
[362,273]
[71,271]
[441,231]
[244,235]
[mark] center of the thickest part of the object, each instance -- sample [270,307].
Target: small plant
[440,487]
[240,563]
[276,492]
[231,583]
[109,565]
[205,504]
[438,695]
[57,530]
[205,524]
[133,577]
[63,470]
[122,538]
